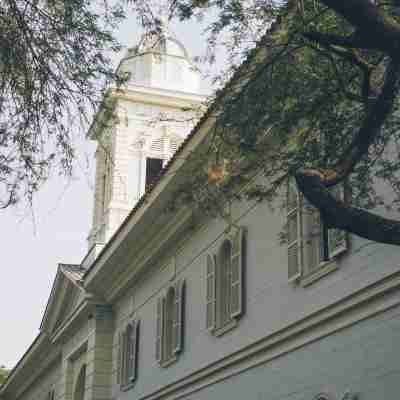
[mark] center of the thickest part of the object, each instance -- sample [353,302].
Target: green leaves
[53,71]
[3,374]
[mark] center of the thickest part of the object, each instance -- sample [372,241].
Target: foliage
[53,66]
[317,99]
[3,374]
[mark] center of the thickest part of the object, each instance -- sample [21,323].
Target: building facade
[169,305]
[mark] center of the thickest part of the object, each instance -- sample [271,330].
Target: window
[80,385]
[311,244]
[127,354]
[224,286]
[153,169]
[169,324]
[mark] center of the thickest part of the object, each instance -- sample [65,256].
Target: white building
[168,306]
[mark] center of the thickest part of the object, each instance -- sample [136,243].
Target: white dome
[163,43]
[161,61]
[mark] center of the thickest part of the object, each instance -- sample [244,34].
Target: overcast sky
[34,241]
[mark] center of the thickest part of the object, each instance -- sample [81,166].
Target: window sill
[171,360]
[226,328]
[128,386]
[323,270]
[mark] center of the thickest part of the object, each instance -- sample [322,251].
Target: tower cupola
[161,61]
[152,113]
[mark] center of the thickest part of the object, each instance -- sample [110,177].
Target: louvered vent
[174,144]
[158,145]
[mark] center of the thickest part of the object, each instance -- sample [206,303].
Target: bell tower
[139,127]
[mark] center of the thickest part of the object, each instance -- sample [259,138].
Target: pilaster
[99,354]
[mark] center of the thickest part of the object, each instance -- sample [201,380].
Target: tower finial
[164,22]
[163,19]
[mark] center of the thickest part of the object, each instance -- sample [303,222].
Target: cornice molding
[37,370]
[177,225]
[156,96]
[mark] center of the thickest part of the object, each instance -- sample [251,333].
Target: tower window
[153,169]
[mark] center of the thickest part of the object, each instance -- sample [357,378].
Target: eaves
[152,201]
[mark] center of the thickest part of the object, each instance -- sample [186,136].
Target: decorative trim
[346,396]
[177,226]
[128,386]
[171,360]
[226,328]
[323,270]
[322,396]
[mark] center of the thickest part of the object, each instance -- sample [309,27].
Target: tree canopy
[3,374]
[316,100]
[53,66]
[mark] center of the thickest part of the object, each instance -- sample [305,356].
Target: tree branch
[370,24]
[372,124]
[330,39]
[376,115]
[341,216]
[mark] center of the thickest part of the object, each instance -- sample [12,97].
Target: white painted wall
[272,302]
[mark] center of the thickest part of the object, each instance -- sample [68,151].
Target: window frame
[169,336]
[216,293]
[327,260]
[128,351]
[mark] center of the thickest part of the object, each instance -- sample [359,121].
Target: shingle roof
[73,271]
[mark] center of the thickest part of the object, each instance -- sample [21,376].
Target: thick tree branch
[370,24]
[313,183]
[341,216]
[376,115]
[372,124]
[330,39]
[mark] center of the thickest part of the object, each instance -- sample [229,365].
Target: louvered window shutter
[134,339]
[123,374]
[294,231]
[236,292]
[337,239]
[129,350]
[312,236]
[119,358]
[210,295]
[178,317]
[132,349]
[159,329]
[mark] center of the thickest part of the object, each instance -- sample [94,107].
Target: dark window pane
[153,169]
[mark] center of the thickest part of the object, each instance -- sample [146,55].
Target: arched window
[224,290]
[79,390]
[128,351]
[169,324]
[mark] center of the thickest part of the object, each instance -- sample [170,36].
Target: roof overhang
[66,279]
[39,356]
